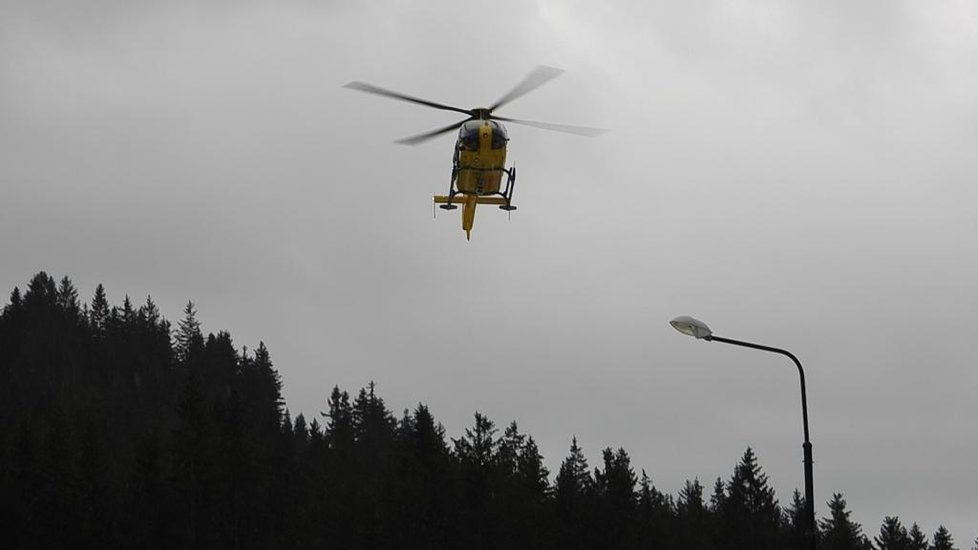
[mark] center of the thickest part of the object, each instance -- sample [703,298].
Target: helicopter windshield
[468,135]
[499,135]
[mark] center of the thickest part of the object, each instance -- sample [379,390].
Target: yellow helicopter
[479,161]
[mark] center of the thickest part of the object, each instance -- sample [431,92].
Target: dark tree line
[120,431]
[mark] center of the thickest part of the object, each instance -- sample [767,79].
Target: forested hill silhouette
[119,431]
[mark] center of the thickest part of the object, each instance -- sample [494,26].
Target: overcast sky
[796,174]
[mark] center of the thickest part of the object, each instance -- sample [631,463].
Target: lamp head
[692,327]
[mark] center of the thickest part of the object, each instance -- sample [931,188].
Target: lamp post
[698,329]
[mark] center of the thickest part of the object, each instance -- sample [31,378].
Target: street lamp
[698,329]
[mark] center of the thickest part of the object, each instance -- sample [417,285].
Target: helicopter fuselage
[480,158]
[478,167]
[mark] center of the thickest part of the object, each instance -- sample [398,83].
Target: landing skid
[506,194]
[469,200]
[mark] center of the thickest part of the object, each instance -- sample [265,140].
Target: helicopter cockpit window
[468,136]
[499,136]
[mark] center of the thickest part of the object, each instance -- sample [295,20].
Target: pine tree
[796,522]
[67,300]
[573,491]
[615,492]
[535,520]
[218,367]
[128,312]
[476,453]
[265,388]
[893,536]
[718,497]
[521,490]
[16,301]
[373,427]
[838,531]
[655,516]
[424,481]
[339,422]
[531,472]
[189,340]
[42,292]
[916,539]
[98,315]
[750,516]
[574,478]
[12,325]
[478,446]
[373,424]
[339,481]
[510,446]
[942,540]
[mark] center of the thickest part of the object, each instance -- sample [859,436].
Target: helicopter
[479,159]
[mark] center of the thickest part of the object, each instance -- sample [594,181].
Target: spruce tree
[67,299]
[15,301]
[718,497]
[893,536]
[338,431]
[478,446]
[476,453]
[838,531]
[42,292]
[655,518]
[942,540]
[533,488]
[510,446]
[615,493]
[373,427]
[189,340]
[574,478]
[573,491]
[339,483]
[424,481]
[917,540]
[98,315]
[266,385]
[750,516]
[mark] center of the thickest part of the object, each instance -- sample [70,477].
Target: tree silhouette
[189,339]
[893,536]
[794,521]
[942,540]
[656,517]
[119,432]
[616,499]
[749,515]
[838,531]
[573,493]
[917,540]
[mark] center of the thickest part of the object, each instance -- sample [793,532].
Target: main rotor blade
[538,77]
[579,130]
[371,89]
[420,138]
